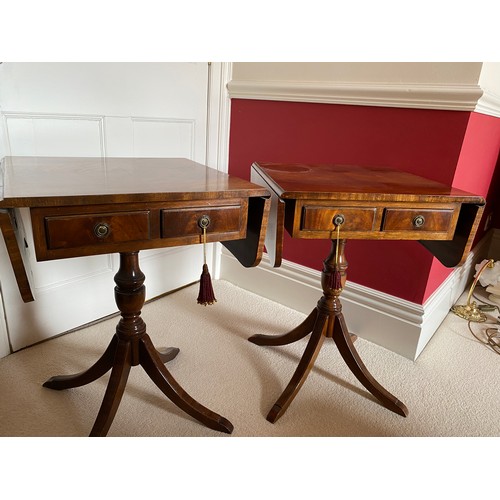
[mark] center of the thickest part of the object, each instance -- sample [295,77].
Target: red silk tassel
[206,295]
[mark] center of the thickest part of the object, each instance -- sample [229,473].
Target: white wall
[489,81]
[99,110]
[374,72]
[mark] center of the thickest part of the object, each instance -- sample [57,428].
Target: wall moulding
[489,104]
[453,97]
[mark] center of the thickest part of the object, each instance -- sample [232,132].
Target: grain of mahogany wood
[55,181]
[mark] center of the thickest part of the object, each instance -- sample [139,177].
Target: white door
[97,109]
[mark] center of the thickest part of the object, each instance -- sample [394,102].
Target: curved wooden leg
[167,353]
[302,371]
[129,347]
[114,391]
[351,357]
[154,367]
[99,368]
[297,333]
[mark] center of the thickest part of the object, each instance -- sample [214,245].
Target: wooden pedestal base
[326,320]
[131,346]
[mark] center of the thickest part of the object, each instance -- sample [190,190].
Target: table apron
[75,231]
[319,219]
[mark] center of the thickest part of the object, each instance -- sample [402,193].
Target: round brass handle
[339,219]
[204,221]
[419,221]
[101,230]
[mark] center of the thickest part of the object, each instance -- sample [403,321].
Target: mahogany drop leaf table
[90,206]
[341,202]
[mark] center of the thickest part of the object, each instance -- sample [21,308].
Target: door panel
[97,109]
[35,135]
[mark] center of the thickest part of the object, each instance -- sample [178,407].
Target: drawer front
[422,220]
[317,218]
[71,231]
[185,222]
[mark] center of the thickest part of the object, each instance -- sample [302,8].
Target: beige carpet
[451,390]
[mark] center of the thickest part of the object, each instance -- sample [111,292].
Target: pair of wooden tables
[90,206]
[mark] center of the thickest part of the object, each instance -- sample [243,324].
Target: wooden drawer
[318,218]
[227,221]
[80,230]
[418,219]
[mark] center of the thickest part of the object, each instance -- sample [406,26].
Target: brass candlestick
[470,311]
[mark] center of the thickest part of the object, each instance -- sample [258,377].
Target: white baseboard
[396,324]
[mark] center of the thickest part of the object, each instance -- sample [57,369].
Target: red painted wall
[478,168]
[475,172]
[424,142]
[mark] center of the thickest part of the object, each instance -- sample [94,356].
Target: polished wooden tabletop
[52,181]
[355,182]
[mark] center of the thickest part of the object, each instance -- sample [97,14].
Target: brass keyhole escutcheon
[339,219]
[419,221]
[101,230]
[204,221]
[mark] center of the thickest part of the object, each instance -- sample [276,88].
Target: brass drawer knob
[204,221]
[419,221]
[339,219]
[101,230]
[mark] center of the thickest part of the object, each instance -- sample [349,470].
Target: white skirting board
[398,325]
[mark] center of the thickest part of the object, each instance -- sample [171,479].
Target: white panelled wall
[103,110]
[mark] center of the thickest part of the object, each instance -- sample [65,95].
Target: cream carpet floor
[452,389]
